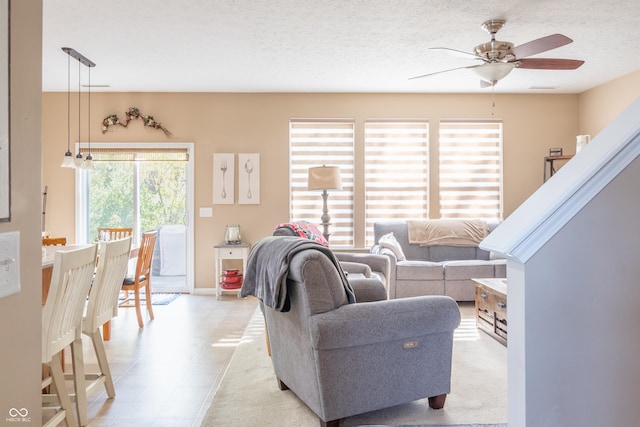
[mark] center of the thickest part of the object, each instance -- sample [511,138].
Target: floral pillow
[305,229]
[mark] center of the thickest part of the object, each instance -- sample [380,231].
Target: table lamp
[324,178]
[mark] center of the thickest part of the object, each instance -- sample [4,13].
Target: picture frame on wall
[223,179]
[5,159]
[249,179]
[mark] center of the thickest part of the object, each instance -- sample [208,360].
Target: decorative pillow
[305,229]
[389,241]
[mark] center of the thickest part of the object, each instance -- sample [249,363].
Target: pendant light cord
[89,113]
[79,110]
[68,104]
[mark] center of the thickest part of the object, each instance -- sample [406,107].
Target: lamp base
[325,218]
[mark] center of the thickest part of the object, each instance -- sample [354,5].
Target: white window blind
[470,169]
[316,143]
[396,172]
[137,154]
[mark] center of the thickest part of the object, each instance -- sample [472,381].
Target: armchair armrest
[356,268]
[393,260]
[376,262]
[376,322]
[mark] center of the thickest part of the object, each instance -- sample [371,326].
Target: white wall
[581,316]
[20,314]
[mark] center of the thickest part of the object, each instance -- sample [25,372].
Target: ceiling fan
[499,58]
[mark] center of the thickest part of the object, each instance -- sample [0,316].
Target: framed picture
[223,178]
[5,170]
[249,179]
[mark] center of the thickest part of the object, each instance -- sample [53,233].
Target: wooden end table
[491,307]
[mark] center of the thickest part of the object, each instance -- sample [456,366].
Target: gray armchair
[374,268]
[343,359]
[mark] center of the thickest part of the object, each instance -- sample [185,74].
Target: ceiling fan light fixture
[493,71]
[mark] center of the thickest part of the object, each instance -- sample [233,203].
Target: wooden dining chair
[102,306]
[61,326]
[54,241]
[141,278]
[107,233]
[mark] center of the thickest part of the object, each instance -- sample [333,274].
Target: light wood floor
[166,373]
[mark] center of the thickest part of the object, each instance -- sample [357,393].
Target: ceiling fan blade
[540,45]
[549,64]
[443,71]
[458,53]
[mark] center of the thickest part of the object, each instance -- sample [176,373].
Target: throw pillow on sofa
[303,229]
[389,241]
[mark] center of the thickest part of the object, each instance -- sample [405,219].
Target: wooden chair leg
[103,364]
[266,337]
[106,331]
[61,390]
[437,402]
[77,358]
[136,293]
[148,294]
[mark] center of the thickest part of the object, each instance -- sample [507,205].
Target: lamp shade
[68,161]
[493,71]
[324,178]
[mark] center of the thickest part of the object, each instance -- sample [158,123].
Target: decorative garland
[133,113]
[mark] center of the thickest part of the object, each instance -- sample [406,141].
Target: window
[396,172]
[143,186]
[314,143]
[470,159]
[136,187]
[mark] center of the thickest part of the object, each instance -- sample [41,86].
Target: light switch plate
[9,263]
[206,212]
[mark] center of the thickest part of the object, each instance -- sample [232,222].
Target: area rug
[160,298]
[444,425]
[249,396]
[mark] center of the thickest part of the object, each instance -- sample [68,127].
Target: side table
[223,252]
[491,307]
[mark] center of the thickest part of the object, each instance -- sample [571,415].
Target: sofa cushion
[419,270]
[389,241]
[499,267]
[451,253]
[467,269]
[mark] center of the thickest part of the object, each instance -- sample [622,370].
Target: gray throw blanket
[268,267]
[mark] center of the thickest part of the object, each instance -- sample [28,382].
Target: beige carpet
[249,395]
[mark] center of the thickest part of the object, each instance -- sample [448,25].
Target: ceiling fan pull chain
[493,99]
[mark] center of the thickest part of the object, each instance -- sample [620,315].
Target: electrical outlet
[9,263]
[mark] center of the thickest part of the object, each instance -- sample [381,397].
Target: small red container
[231,279]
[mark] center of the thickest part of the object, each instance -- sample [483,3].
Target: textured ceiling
[329,45]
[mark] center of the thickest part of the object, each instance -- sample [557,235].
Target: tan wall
[602,104]
[258,123]
[20,321]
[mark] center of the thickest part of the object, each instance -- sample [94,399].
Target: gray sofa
[343,359]
[435,270]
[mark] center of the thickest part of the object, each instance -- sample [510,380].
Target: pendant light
[78,161]
[88,162]
[68,162]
